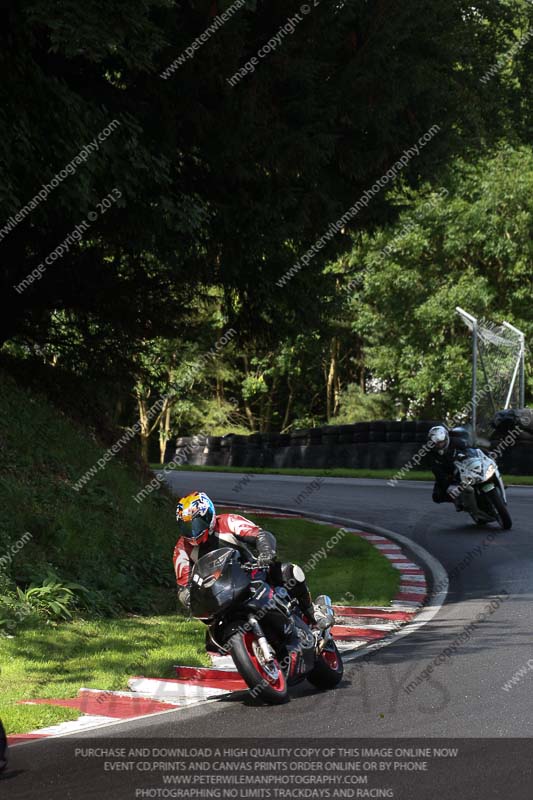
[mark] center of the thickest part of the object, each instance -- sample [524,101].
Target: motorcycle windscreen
[213,562]
[477,469]
[217,581]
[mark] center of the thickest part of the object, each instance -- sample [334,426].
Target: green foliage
[206,202]
[214,417]
[253,386]
[356,406]
[471,247]
[119,551]
[55,661]
[15,613]
[212,213]
[53,600]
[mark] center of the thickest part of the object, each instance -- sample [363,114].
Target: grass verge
[91,535]
[335,472]
[352,568]
[56,661]
[46,662]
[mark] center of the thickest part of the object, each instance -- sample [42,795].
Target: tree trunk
[249,415]
[118,410]
[336,395]
[247,409]
[288,407]
[361,377]
[332,377]
[266,422]
[144,446]
[219,391]
[144,433]
[145,415]
[164,434]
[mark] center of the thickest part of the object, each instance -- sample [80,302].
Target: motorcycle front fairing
[217,582]
[478,475]
[490,474]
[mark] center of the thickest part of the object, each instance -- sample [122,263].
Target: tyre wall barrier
[365,445]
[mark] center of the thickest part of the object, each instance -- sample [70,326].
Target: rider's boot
[323,613]
[306,607]
[318,616]
[456,496]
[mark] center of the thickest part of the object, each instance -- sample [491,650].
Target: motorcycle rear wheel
[267,684]
[329,669]
[502,514]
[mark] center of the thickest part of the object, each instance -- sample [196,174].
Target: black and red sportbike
[262,627]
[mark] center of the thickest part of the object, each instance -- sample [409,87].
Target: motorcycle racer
[203,530]
[448,447]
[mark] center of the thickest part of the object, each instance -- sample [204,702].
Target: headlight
[490,472]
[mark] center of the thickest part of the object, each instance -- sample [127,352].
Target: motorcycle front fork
[264,646]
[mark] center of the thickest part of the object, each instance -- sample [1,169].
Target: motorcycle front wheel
[267,682]
[500,509]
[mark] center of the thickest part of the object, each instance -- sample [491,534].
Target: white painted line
[353,644]
[377,608]
[405,588]
[223,662]
[109,693]
[75,725]
[407,578]
[372,626]
[114,722]
[174,692]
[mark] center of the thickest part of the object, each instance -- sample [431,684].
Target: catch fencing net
[497,370]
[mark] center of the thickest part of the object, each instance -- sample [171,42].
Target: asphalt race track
[463,697]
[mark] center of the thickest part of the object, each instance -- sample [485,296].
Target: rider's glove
[264,560]
[266,548]
[184,596]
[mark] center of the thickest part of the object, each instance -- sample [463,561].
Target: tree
[203,199]
[471,247]
[218,189]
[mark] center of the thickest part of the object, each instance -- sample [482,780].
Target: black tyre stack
[382,444]
[512,440]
